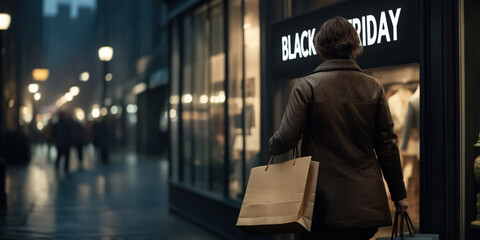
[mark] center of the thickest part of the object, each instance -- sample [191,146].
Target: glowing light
[68,96]
[40,74]
[221,96]
[79,114]
[39,126]
[95,112]
[74,90]
[114,110]
[11,103]
[187,98]
[132,108]
[84,76]
[108,77]
[27,115]
[33,87]
[174,99]
[4,21]
[173,113]
[104,111]
[105,53]
[139,88]
[203,99]
[37,96]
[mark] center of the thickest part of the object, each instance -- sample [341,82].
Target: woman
[345,122]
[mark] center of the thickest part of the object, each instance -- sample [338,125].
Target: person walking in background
[346,125]
[62,137]
[79,138]
[100,138]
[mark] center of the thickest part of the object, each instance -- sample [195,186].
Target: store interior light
[40,74]
[187,98]
[37,96]
[4,21]
[33,87]
[204,99]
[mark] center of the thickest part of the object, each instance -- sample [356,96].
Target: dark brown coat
[346,125]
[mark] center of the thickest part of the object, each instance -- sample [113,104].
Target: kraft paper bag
[279,198]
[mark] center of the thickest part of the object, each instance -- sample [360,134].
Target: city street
[124,199]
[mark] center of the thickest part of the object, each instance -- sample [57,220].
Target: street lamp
[105,54]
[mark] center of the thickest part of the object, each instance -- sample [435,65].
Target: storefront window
[187,99]
[251,36]
[235,98]
[217,99]
[401,85]
[203,97]
[174,101]
[200,115]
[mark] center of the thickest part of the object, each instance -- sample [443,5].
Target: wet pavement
[124,199]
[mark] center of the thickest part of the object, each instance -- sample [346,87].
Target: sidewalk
[124,199]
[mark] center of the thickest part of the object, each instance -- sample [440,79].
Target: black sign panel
[388,31]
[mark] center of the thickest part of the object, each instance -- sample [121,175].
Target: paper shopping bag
[279,198]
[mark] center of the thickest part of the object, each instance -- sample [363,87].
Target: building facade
[233,63]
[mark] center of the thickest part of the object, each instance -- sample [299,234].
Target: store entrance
[402,90]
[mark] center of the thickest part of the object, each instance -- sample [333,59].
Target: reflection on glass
[174,100]
[401,85]
[201,87]
[235,99]
[252,85]
[187,123]
[217,109]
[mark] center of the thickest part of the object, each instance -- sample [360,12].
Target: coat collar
[338,64]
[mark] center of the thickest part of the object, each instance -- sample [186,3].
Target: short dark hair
[337,39]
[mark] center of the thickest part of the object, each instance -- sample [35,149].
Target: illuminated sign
[388,31]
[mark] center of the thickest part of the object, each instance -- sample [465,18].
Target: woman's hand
[401,205]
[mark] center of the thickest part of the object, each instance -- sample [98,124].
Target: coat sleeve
[293,120]
[385,144]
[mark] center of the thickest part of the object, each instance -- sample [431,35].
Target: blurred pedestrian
[100,138]
[48,136]
[78,138]
[343,117]
[62,137]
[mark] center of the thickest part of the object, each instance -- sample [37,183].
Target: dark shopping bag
[279,197]
[411,234]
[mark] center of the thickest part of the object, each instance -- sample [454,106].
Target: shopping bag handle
[272,157]
[404,218]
